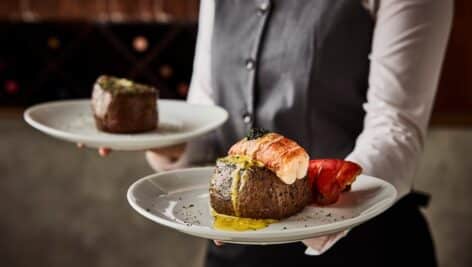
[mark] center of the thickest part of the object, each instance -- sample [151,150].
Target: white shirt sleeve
[409,42]
[200,87]
[408,47]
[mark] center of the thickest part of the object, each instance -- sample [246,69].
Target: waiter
[345,79]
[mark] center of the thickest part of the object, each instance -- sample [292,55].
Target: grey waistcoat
[296,67]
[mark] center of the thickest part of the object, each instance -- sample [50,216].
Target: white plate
[73,121]
[179,200]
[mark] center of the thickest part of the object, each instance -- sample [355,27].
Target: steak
[255,192]
[122,106]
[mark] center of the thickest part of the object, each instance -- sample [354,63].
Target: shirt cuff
[319,245]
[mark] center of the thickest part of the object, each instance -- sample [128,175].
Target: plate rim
[28,115]
[250,236]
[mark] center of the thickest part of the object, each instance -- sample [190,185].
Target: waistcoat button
[250,64]
[263,7]
[247,118]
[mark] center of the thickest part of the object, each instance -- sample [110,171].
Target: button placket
[263,7]
[250,64]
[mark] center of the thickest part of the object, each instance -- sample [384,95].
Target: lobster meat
[329,177]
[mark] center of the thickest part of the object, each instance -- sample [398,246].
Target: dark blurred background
[66,207]
[55,49]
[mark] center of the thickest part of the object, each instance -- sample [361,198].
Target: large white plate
[179,200]
[73,121]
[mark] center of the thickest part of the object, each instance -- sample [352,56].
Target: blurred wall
[454,99]
[100,10]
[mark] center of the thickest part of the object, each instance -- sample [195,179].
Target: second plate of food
[73,121]
[180,200]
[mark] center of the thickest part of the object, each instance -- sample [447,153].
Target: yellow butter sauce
[239,175]
[241,161]
[235,175]
[239,178]
[232,223]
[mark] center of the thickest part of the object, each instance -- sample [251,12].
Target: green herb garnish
[255,133]
[122,86]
